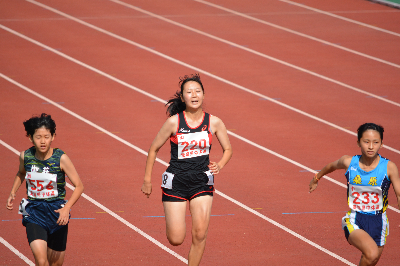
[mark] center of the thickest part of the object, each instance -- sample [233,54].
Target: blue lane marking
[189,215]
[309,212]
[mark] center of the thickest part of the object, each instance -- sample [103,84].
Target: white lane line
[243,48]
[186,65]
[16,252]
[299,33]
[116,216]
[295,163]
[340,17]
[166,164]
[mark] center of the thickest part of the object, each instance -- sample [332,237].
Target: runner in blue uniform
[190,175]
[45,211]
[369,176]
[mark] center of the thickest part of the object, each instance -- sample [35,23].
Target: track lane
[250,239]
[224,120]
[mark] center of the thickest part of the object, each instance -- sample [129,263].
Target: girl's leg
[364,242]
[200,208]
[55,258]
[39,250]
[175,221]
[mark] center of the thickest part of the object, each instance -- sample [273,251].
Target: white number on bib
[193,144]
[41,185]
[167,180]
[365,198]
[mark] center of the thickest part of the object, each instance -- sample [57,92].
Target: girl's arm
[393,173]
[342,163]
[70,171]
[19,179]
[165,132]
[220,132]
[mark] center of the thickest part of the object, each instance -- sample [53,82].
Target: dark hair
[364,127]
[175,104]
[35,122]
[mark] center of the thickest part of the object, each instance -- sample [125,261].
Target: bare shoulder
[65,161]
[171,124]
[345,161]
[22,155]
[215,121]
[392,168]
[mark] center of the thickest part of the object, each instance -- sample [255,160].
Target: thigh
[35,232]
[175,213]
[55,257]
[200,209]
[363,242]
[57,241]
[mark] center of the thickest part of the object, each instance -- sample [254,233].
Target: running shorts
[56,241]
[377,226]
[42,213]
[186,186]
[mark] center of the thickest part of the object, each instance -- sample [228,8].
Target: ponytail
[175,104]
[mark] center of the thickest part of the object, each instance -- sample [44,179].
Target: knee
[372,256]
[42,261]
[199,234]
[175,240]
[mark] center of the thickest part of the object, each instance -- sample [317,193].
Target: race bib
[41,185]
[210,178]
[167,180]
[22,207]
[365,198]
[193,144]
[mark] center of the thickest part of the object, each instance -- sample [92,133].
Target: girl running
[369,176]
[45,213]
[190,175]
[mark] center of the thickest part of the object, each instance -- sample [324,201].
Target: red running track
[113,172]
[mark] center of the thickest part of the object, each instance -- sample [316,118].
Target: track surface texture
[292,82]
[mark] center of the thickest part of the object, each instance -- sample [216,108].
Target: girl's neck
[369,162]
[194,115]
[43,156]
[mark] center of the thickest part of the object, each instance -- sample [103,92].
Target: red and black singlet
[190,147]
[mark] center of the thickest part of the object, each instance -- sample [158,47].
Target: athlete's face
[42,139]
[370,143]
[192,95]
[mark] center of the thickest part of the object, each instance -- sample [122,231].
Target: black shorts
[56,241]
[187,186]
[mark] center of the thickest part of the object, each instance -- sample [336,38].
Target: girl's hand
[64,216]
[10,200]
[214,167]
[313,185]
[146,188]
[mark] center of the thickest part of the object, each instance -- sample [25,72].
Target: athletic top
[367,192]
[44,179]
[190,147]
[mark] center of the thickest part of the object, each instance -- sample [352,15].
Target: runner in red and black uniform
[190,176]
